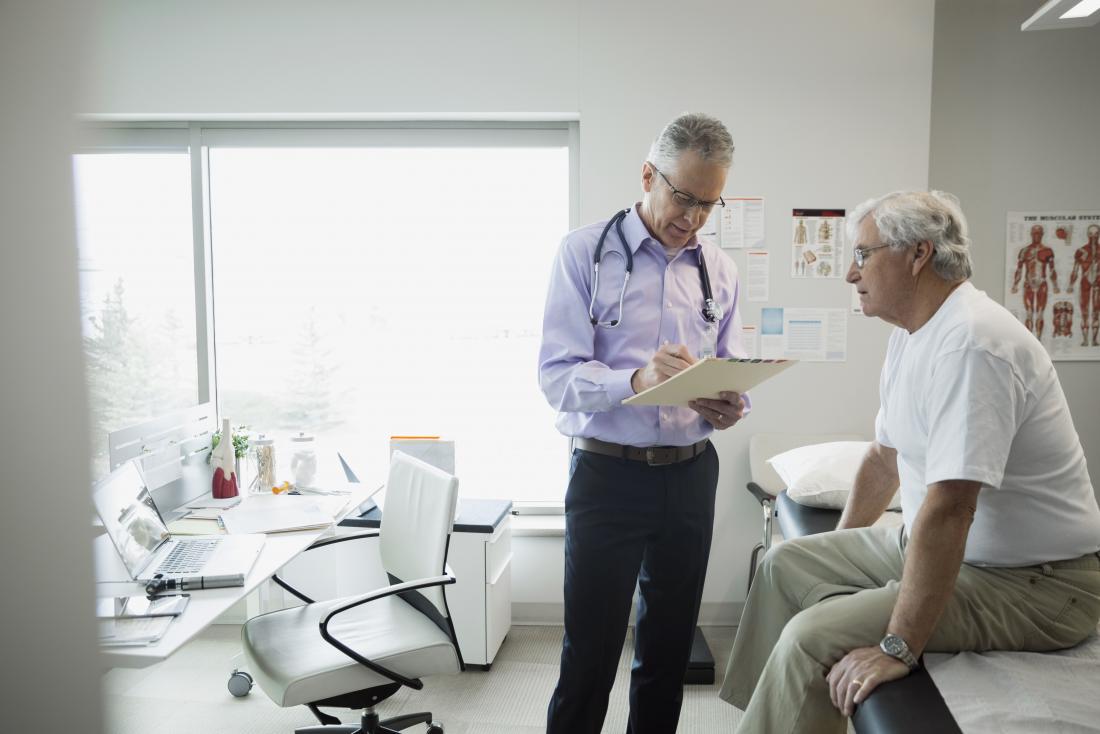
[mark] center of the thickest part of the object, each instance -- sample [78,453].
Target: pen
[187,583]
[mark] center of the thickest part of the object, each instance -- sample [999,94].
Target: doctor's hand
[666,362]
[721,414]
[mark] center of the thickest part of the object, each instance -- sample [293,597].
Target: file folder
[709,377]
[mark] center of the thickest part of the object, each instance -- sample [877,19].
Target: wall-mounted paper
[748,340]
[742,222]
[1052,279]
[757,275]
[807,334]
[817,243]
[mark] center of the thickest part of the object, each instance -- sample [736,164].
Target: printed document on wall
[1052,279]
[742,222]
[748,341]
[757,275]
[807,334]
[817,243]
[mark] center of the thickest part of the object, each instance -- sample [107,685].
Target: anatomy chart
[817,242]
[1052,279]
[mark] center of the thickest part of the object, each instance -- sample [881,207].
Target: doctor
[633,300]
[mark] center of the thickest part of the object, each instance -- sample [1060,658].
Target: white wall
[1014,127]
[47,633]
[828,104]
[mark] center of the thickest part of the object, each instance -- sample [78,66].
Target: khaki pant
[816,598]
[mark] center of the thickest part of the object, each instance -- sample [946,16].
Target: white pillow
[822,475]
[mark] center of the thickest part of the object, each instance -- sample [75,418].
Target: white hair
[905,218]
[695,131]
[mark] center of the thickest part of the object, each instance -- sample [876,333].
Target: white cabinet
[480,601]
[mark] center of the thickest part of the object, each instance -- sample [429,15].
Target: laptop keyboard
[189,556]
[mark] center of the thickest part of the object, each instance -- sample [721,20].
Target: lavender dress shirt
[585,370]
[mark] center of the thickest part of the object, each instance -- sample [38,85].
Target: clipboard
[708,377]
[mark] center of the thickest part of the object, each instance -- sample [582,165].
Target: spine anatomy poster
[1052,279]
[817,242]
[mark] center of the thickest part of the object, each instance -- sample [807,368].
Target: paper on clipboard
[708,377]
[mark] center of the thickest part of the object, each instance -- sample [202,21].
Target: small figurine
[224,462]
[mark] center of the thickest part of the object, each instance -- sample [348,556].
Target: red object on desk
[224,487]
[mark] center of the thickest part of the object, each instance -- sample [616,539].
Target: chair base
[372,725]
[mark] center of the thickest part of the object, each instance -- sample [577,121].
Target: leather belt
[652,455]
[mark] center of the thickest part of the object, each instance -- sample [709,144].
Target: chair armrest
[909,705]
[370,596]
[759,493]
[320,544]
[342,539]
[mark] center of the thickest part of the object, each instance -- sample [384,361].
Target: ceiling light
[1059,14]
[1083,9]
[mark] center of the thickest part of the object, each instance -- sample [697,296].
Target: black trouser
[625,523]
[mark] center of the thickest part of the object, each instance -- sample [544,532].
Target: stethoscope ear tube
[616,220]
[712,312]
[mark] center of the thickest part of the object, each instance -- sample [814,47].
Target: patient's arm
[876,483]
[932,560]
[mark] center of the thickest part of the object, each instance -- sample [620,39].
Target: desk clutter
[137,620]
[135,631]
[262,513]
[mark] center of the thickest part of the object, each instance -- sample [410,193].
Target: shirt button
[670,304]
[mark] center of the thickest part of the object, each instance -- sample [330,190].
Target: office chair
[768,489]
[357,651]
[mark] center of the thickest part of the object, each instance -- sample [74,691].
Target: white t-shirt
[973,395]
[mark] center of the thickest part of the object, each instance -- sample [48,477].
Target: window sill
[538,526]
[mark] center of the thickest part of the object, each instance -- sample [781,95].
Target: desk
[207,605]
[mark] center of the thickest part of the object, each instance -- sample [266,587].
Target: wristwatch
[895,647]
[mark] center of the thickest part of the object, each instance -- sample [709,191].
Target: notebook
[144,543]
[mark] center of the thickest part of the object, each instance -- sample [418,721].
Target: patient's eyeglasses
[862,253]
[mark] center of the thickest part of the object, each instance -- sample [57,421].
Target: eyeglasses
[861,253]
[685,200]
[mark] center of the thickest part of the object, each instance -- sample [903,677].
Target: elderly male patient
[999,545]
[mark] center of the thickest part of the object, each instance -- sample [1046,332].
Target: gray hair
[695,131]
[905,218]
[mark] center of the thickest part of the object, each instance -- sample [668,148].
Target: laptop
[146,547]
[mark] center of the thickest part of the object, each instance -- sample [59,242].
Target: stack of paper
[138,631]
[275,518]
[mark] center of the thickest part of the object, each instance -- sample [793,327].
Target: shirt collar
[637,234]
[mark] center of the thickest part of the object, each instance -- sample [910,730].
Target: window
[137,294]
[378,281]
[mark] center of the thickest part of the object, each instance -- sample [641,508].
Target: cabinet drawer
[498,551]
[498,612]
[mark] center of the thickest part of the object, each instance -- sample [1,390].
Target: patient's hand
[858,673]
[721,414]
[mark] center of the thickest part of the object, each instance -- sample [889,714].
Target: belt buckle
[660,455]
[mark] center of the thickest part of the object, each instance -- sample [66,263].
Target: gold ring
[855,682]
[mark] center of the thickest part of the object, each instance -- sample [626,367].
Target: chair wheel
[240,683]
[435,728]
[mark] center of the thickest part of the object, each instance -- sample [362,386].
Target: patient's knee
[809,633]
[781,559]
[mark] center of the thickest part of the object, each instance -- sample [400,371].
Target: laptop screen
[129,516]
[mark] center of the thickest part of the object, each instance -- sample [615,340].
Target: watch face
[894,645]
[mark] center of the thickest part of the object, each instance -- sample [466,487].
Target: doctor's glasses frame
[685,200]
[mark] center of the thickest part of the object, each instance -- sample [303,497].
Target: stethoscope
[712,312]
